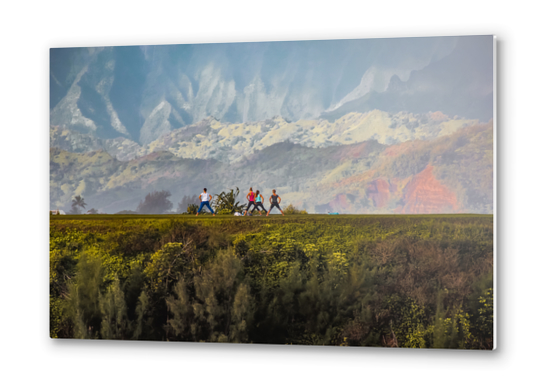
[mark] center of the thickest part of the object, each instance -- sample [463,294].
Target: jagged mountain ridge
[211,139]
[451,173]
[141,93]
[460,83]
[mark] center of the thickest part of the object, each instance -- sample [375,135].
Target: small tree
[192,209]
[142,316]
[292,210]
[83,303]
[226,202]
[219,307]
[77,203]
[114,313]
[155,203]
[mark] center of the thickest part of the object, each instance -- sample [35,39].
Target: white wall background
[29,29]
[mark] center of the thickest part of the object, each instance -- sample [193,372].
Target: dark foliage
[226,202]
[78,203]
[155,203]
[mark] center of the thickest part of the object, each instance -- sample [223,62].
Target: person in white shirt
[205,198]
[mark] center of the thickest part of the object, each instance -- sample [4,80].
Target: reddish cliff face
[403,148]
[379,191]
[425,194]
[340,203]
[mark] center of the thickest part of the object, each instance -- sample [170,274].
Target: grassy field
[272,216]
[414,281]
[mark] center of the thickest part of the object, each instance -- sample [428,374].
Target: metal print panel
[333,192]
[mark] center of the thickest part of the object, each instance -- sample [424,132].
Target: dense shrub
[192,209]
[291,210]
[226,203]
[408,281]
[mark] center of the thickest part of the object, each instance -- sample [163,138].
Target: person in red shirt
[251,196]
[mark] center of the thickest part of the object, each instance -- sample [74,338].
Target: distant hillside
[449,173]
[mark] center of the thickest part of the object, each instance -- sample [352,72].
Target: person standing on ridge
[275,201]
[259,203]
[205,198]
[250,197]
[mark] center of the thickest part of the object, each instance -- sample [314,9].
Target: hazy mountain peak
[143,92]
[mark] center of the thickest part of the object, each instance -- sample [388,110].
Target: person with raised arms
[275,201]
[259,203]
[205,198]
[251,196]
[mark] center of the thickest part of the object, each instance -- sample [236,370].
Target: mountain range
[211,139]
[142,92]
[448,173]
[350,126]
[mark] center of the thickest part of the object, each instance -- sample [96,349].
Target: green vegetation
[226,203]
[409,281]
[192,209]
[291,210]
